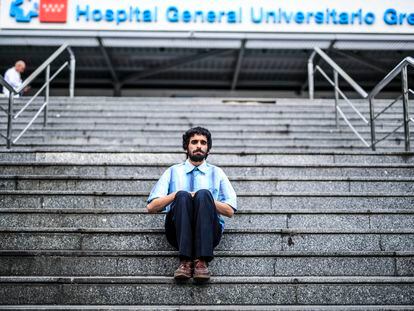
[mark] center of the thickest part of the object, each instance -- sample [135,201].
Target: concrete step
[217,158]
[220,291]
[184,114]
[259,140]
[150,169]
[207,118]
[192,100]
[284,144]
[214,123]
[280,127]
[255,201]
[228,139]
[195,102]
[209,307]
[127,147]
[317,240]
[239,115]
[219,144]
[243,219]
[135,137]
[240,184]
[235,263]
[218,135]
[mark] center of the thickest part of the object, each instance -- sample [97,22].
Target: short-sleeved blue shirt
[205,176]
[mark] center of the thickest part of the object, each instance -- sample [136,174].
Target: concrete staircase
[324,223]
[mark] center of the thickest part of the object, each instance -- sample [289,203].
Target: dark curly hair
[197,131]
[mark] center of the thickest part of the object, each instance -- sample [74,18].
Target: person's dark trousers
[192,225]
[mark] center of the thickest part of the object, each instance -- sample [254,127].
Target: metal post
[404,79]
[336,98]
[238,65]
[371,116]
[72,65]
[47,78]
[9,120]
[310,78]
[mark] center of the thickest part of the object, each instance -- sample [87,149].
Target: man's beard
[197,157]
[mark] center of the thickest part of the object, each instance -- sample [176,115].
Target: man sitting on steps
[194,194]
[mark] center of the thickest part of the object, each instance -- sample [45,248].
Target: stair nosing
[213,280]
[94,211]
[282,231]
[239,194]
[217,253]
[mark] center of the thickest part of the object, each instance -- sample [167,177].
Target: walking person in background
[13,77]
[195,195]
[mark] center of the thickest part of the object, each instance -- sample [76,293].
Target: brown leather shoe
[201,273]
[184,271]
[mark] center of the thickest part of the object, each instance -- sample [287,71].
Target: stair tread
[214,280]
[227,231]
[199,307]
[218,253]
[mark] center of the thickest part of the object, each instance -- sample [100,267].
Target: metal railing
[45,87]
[402,68]
[337,71]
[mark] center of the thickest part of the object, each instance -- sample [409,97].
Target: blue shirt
[187,177]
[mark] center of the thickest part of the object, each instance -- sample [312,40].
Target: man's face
[20,67]
[197,148]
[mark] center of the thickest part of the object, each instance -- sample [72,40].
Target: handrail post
[72,66]
[47,78]
[10,120]
[336,97]
[404,79]
[311,77]
[372,119]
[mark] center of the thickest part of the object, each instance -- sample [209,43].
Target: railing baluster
[336,97]
[311,74]
[72,73]
[46,95]
[9,120]
[372,119]
[404,79]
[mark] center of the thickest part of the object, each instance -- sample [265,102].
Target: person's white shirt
[12,76]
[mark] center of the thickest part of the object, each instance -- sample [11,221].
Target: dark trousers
[192,225]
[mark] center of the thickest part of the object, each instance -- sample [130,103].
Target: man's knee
[182,199]
[182,195]
[202,194]
[203,198]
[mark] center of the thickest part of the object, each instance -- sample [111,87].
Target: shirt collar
[188,167]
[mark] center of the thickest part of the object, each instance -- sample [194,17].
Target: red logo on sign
[53,11]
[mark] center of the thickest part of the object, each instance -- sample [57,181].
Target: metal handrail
[391,75]
[45,66]
[6,84]
[337,71]
[401,68]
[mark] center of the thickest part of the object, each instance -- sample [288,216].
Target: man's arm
[226,204]
[224,209]
[158,204]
